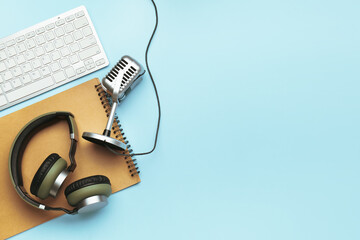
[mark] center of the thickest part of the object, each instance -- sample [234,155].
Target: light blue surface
[260,132]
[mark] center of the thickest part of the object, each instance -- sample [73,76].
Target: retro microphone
[124,76]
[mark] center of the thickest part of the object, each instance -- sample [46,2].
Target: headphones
[84,195]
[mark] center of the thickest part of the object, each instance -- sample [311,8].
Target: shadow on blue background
[260,130]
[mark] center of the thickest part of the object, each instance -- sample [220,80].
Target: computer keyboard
[47,55]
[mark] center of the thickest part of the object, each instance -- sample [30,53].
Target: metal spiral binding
[106,101]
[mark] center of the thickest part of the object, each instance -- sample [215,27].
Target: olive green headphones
[84,195]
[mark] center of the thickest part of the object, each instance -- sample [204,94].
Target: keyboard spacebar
[29,89]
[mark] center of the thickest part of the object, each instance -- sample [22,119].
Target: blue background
[260,131]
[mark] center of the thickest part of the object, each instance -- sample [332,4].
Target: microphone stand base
[104,140]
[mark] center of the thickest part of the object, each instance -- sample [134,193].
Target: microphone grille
[123,66]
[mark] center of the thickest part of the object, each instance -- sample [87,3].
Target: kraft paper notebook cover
[89,105]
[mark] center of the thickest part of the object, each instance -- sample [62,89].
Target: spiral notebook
[90,106]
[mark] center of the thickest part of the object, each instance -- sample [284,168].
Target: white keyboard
[47,55]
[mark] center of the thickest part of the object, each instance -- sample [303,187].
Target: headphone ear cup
[46,175]
[82,189]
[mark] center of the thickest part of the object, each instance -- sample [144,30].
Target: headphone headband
[23,138]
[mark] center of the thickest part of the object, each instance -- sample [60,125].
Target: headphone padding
[50,178]
[42,171]
[87,187]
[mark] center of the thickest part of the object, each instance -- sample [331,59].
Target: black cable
[156,92]
[72,212]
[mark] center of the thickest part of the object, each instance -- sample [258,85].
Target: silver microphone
[124,76]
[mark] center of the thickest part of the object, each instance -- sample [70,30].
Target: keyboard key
[65,51]
[40,30]
[81,22]
[39,51]
[100,62]
[64,62]
[55,67]
[70,72]
[49,47]
[29,55]
[80,70]
[88,61]
[45,71]
[46,59]
[68,39]
[2,66]
[30,43]
[2,100]
[29,89]
[74,59]
[36,63]
[11,51]
[50,35]
[55,55]
[25,79]
[50,26]
[69,28]
[26,67]
[70,18]
[90,66]
[10,62]
[7,87]
[16,83]
[21,47]
[59,43]
[79,14]
[59,32]
[60,22]
[35,75]
[6,75]
[74,47]
[40,39]
[16,71]
[78,35]
[2,46]
[87,31]
[20,39]
[20,59]
[10,43]
[88,42]
[30,34]
[92,51]
[59,76]
[3,55]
